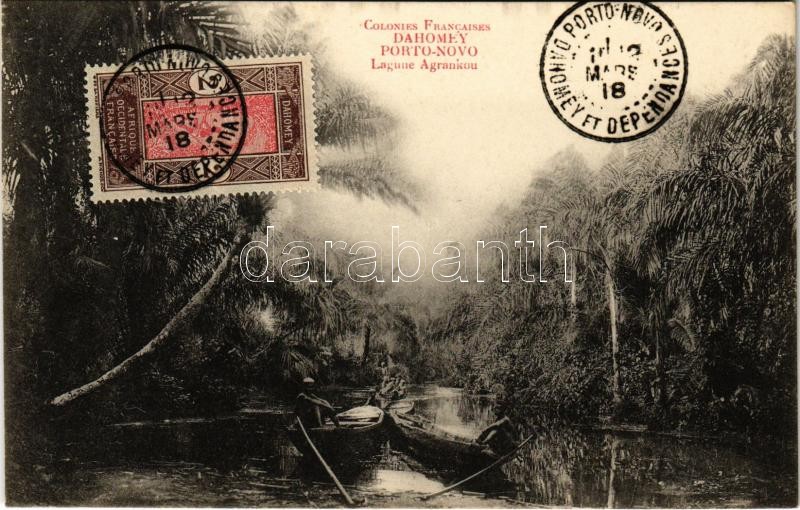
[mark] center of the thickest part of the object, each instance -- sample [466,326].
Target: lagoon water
[247,460]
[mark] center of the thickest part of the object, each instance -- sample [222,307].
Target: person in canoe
[399,390]
[312,410]
[499,436]
[387,387]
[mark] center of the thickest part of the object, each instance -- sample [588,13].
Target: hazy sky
[474,138]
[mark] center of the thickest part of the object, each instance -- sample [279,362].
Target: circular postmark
[613,71]
[173,118]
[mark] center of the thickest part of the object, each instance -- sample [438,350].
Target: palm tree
[599,224]
[194,269]
[721,222]
[48,204]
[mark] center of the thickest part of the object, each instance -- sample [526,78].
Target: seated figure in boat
[377,397]
[312,410]
[387,386]
[499,436]
[392,389]
[399,390]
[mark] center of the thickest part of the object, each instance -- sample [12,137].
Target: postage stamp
[175,121]
[613,71]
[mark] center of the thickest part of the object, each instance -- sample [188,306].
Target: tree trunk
[660,382]
[660,332]
[612,310]
[185,314]
[367,335]
[612,493]
[573,298]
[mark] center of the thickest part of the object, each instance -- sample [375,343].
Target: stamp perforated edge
[98,195]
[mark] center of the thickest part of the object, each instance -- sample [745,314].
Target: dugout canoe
[361,431]
[399,407]
[422,440]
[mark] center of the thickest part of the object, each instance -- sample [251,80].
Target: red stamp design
[201,128]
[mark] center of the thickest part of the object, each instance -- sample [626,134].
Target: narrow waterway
[247,460]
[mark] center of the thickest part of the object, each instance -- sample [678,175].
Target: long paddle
[325,465]
[499,461]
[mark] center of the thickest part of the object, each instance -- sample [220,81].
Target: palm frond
[371,177]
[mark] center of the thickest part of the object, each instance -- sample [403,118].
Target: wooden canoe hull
[349,441]
[439,449]
[399,407]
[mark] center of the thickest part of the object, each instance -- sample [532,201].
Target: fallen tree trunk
[185,314]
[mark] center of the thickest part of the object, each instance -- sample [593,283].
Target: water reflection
[390,480]
[247,460]
[463,416]
[569,467]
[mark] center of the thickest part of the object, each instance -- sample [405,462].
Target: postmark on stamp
[613,71]
[176,121]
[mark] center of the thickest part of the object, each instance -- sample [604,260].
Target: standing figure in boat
[312,410]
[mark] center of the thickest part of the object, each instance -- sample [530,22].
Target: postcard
[387,254]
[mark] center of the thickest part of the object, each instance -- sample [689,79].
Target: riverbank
[245,459]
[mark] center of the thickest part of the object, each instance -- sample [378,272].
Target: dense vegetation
[681,312]
[88,285]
